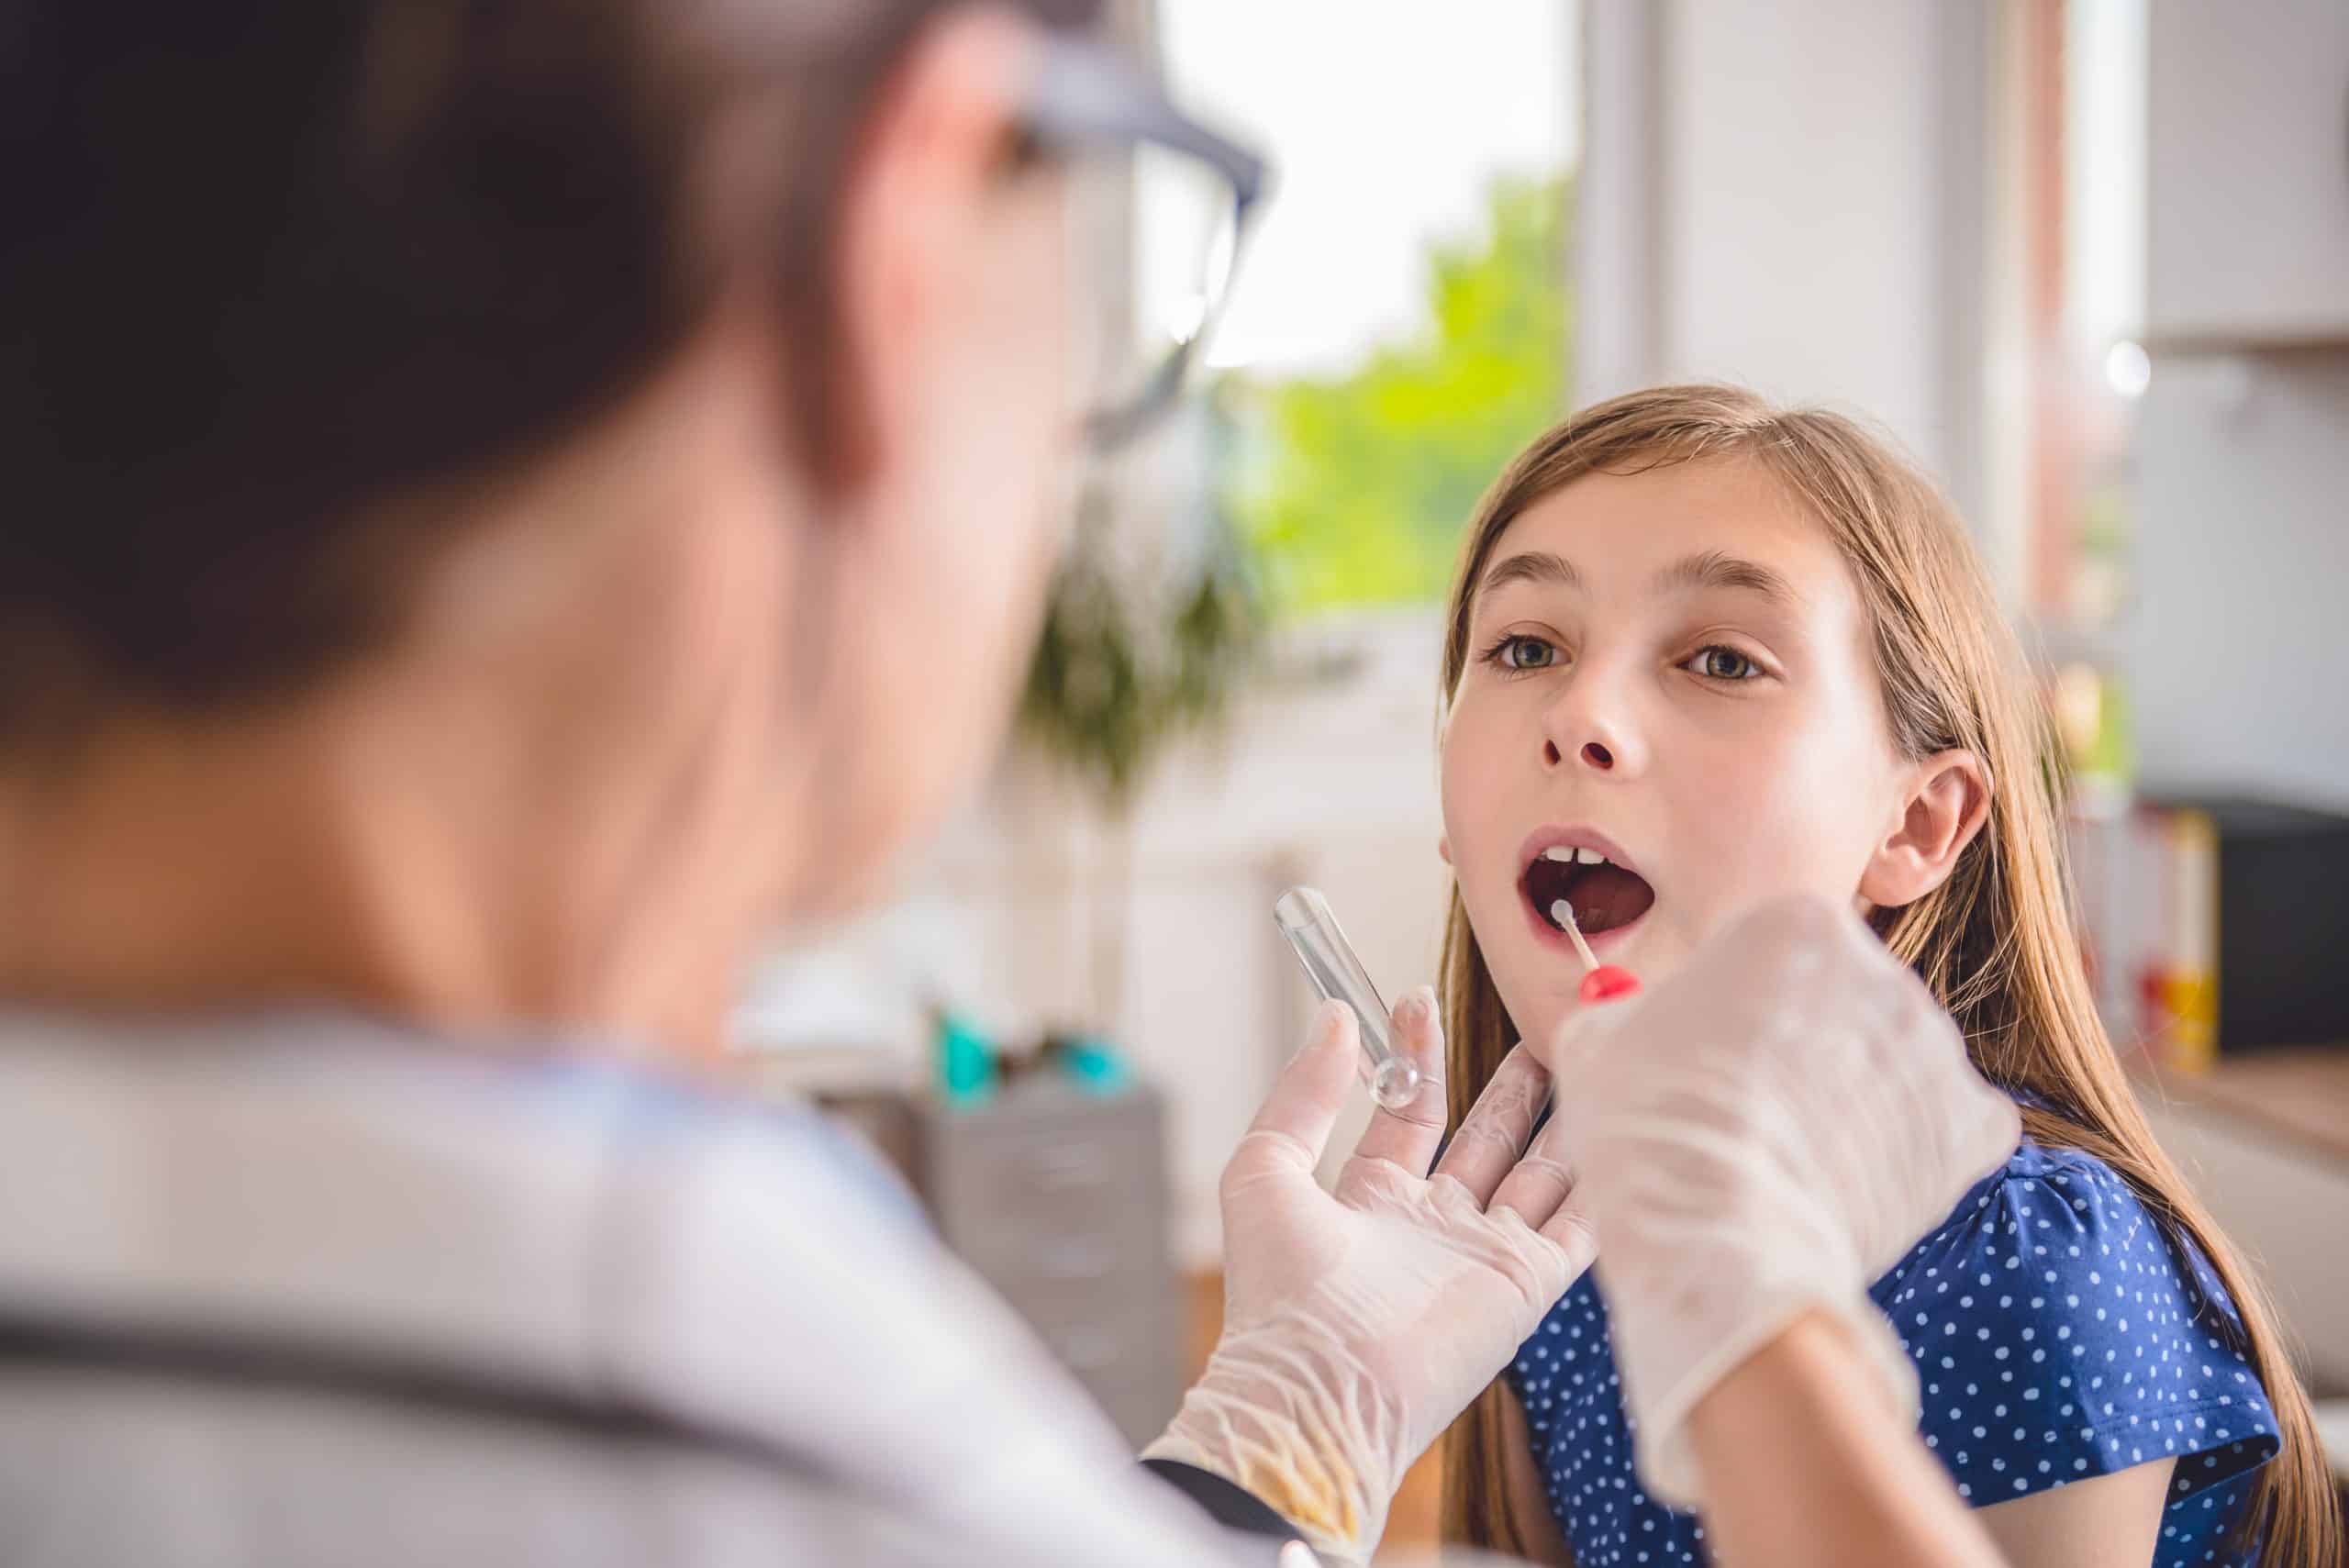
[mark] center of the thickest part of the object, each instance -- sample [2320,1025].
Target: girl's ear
[1443,847]
[1948,801]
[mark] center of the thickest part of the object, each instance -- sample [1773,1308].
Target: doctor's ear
[1949,800]
[915,222]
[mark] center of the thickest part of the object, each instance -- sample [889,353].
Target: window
[1403,322]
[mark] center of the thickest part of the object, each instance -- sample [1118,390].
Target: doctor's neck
[560,795]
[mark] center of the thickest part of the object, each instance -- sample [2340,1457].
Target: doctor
[508,502]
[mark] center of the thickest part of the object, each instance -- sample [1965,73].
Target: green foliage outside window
[1352,489]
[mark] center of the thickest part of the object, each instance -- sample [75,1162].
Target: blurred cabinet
[2265,1139]
[2247,173]
[1058,1199]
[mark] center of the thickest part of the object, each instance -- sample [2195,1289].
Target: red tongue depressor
[1603,982]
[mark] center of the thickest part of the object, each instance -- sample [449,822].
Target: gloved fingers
[1535,1188]
[1540,1183]
[1577,1236]
[1293,1125]
[1498,1127]
[1568,1051]
[1408,1137]
[1988,1130]
[1978,1125]
[1790,938]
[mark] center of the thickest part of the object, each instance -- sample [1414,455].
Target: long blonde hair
[1995,941]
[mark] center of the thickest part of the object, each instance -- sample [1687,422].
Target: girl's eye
[1718,664]
[1524,653]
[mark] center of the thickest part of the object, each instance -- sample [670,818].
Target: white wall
[2243,552]
[2235,646]
[1800,204]
[1789,194]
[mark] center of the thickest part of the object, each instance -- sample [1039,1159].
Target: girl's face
[1670,670]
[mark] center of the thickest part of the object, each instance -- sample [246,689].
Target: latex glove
[1761,1134]
[1359,1322]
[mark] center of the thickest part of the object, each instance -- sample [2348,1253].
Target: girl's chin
[1546,1014]
[1558,999]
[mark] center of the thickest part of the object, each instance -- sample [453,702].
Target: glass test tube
[1304,918]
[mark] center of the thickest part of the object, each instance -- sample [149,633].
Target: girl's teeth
[1590,857]
[1567,854]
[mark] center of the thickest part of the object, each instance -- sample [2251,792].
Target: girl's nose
[1584,731]
[1593,755]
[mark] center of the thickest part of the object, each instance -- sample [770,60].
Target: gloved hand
[1359,1323]
[1763,1134]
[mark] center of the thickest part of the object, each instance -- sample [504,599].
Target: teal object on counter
[965,1062]
[1096,1067]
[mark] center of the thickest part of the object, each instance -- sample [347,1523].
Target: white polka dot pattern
[2057,1332]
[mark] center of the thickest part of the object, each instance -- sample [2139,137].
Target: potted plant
[1138,651]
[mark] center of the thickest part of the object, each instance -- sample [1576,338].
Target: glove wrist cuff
[1287,1421]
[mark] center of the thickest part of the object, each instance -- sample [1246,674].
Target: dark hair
[271,263]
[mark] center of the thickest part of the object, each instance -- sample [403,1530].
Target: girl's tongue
[1604,896]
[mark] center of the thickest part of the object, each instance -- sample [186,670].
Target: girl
[1703,651]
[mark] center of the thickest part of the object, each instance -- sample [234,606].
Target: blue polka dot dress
[2058,1334]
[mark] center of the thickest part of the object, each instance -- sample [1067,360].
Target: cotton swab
[1601,981]
[1564,913]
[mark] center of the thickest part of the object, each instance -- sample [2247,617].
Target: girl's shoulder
[2061,1220]
[2061,1329]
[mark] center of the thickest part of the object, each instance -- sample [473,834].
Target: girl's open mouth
[1606,896]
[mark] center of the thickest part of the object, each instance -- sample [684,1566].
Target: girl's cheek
[1764,825]
[1470,772]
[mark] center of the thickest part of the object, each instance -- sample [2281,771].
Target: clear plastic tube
[1304,918]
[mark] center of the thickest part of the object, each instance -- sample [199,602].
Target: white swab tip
[1564,913]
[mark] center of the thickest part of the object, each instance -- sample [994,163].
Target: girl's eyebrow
[1715,569]
[1531,566]
[1707,569]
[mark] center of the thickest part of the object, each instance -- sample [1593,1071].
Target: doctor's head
[645,418]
